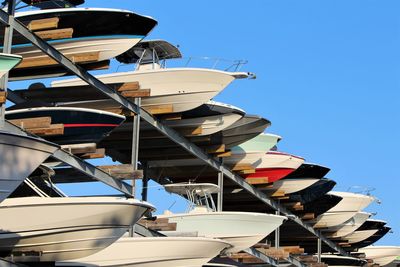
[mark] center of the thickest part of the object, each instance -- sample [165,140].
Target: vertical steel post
[220,195]
[319,249]
[277,232]
[145,182]
[8,34]
[135,142]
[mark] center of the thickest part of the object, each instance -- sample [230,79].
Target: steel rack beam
[254,252]
[81,165]
[172,134]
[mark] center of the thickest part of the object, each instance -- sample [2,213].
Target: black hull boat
[102,33]
[314,192]
[308,170]
[80,125]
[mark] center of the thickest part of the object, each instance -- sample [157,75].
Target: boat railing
[214,63]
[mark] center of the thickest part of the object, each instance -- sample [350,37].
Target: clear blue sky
[327,78]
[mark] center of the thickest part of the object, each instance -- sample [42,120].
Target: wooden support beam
[308,216]
[224,154]
[54,129]
[80,148]
[241,167]
[257,181]
[159,109]
[122,171]
[244,172]
[98,154]
[136,93]
[3,97]
[160,224]
[215,149]
[48,61]
[278,193]
[38,122]
[55,34]
[130,86]
[43,24]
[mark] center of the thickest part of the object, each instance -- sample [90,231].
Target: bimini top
[47,4]
[189,188]
[145,49]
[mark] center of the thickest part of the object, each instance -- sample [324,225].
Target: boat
[7,62]
[349,226]
[382,255]
[366,230]
[320,205]
[341,261]
[273,166]
[19,157]
[248,153]
[63,228]
[104,32]
[314,192]
[346,209]
[291,186]
[154,252]
[181,89]
[81,125]
[240,229]
[370,240]
[46,4]
[309,170]
[241,131]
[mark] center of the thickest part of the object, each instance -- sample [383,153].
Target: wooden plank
[278,193]
[308,216]
[54,129]
[129,86]
[257,181]
[136,93]
[55,34]
[215,149]
[244,172]
[28,123]
[241,167]
[98,154]
[80,148]
[48,61]
[42,24]
[3,97]
[224,154]
[159,109]
[122,171]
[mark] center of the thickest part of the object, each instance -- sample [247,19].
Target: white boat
[154,252]
[182,88]
[292,185]
[240,229]
[349,226]
[346,209]
[381,255]
[52,229]
[209,124]
[116,32]
[275,159]
[19,157]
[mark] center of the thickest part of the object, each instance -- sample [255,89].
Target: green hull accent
[262,142]
[7,62]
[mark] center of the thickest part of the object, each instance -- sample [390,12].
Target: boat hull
[182,88]
[19,157]
[80,125]
[64,228]
[170,251]
[381,255]
[290,186]
[349,226]
[241,229]
[358,236]
[331,219]
[7,62]
[106,47]
[351,201]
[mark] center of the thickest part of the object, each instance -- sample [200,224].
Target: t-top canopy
[163,50]
[198,189]
[47,4]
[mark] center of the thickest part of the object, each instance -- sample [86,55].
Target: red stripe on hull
[75,125]
[273,174]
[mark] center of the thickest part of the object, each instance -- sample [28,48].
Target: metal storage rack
[11,24]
